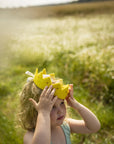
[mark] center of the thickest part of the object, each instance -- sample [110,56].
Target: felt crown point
[43,79]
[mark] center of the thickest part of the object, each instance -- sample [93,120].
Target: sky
[25,3]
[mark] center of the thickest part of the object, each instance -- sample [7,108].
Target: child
[43,111]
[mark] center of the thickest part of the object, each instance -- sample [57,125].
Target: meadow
[76,46]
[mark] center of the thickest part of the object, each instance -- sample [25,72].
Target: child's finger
[48,92]
[54,99]
[51,94]
[33,102]
[43,92]
[71,90]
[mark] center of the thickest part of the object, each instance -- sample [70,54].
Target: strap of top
[66,129]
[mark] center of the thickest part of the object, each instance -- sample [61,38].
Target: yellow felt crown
[42,79]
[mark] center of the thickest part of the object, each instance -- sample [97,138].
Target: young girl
[43,114]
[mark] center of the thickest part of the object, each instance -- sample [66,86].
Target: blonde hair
[28,114]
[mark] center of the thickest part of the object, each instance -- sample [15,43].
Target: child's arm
[89,124]
[42,134]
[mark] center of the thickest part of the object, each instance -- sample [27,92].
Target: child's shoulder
[28,137]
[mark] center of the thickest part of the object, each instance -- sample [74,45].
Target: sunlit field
[77,47]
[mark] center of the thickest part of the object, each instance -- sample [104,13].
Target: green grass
[78,48]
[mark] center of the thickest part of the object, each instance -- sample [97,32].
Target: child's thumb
[33,102]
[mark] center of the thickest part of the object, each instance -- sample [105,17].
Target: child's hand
[70,99]
[46,100]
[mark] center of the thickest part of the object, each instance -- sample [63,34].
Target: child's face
[58,113]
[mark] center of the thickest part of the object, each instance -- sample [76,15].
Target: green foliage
[8,133]
[4,90]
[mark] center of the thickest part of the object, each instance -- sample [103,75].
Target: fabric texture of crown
[43,79]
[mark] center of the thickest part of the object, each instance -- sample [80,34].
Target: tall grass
[79,49]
